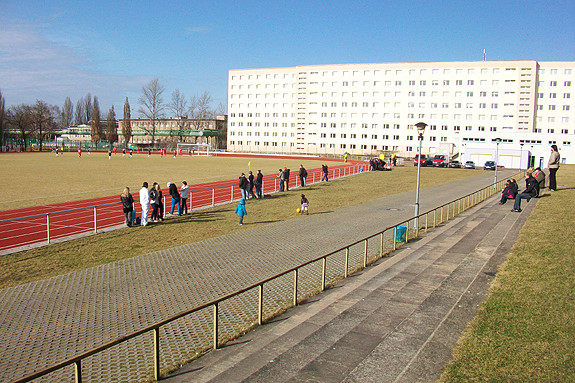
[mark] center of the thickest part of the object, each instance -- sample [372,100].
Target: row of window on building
[396,72]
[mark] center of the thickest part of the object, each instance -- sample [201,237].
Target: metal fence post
[156,353]
[295,287]
[346,261]
[232,195]
[365,254]
[48,227]
[78,371]
[381,245]
[260,304]
[213,196]
[95,221]
[215,326]
[323,267]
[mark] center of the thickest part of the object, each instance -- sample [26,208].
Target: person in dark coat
[509,192]
[243,184]
[251,185]
[286,178]
[324,173]
[302,176]
[259,183]
[127,206]
[531,190]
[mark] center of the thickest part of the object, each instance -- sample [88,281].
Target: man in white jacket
[145,203]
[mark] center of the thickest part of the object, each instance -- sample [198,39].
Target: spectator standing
[154,202]
[259,183]
[127,206]
[241,210]
[173,190]
[324,173]
[144,203]
[554,160]
[286,178]
[251,180]
[160,203]
[531,190]
[184,190]
[302,176]
[281,177]
[243,184]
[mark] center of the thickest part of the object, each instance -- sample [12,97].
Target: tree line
[40,120]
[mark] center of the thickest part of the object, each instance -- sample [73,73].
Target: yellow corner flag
[250,165]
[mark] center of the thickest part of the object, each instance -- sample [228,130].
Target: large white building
[370,108]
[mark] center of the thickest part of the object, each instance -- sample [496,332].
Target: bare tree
[126,123]
[221,110]
[79,114]
[20,119]
[3,119]
[88,108]
[205,110]
[111,130]
[95,123]
[200,109]
[43,118]
[179,107]
[67,113]
[152,106]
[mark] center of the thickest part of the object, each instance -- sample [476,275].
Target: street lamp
[420,129]
[521,156]
[497,140]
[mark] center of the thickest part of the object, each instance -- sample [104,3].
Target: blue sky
[50,50]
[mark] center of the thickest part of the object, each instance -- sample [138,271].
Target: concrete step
[395,321]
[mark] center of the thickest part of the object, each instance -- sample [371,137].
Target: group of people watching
[534,182]
[154,198]
[247,185]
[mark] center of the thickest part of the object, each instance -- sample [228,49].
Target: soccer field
[33,179]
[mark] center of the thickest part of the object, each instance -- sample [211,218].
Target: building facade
[168,132]
[367,109]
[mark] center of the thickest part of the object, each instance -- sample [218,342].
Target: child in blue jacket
[241,210]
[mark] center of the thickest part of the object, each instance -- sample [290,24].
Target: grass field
[108,247]
[525,331]
[33,179]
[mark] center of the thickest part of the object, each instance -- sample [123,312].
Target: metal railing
[46,227]
[364,251]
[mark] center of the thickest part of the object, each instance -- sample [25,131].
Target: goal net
[193,149]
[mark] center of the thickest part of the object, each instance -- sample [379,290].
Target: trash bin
[400,233]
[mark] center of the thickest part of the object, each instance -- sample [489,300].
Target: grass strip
[525,330]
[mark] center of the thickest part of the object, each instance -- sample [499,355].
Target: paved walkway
[47,321]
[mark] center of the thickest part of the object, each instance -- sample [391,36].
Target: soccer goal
[193,149]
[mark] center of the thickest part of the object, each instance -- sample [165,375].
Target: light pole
[497,140]
[420,129]
[521,156]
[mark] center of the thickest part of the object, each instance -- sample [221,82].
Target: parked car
[489,165]
[428,162]
[454,164]
[421,159]
[469,165]
[439,161]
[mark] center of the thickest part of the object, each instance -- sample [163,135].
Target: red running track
[43,224]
